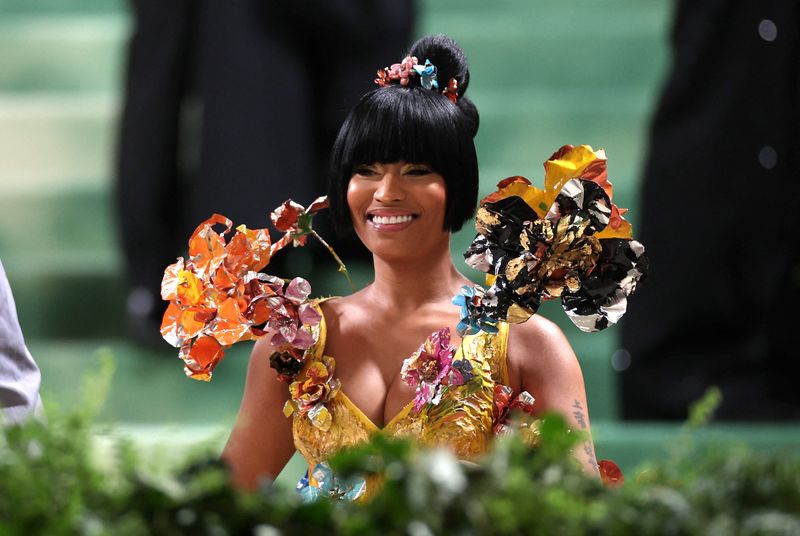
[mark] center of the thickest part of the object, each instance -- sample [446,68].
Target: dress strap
[502,351]
[322,329]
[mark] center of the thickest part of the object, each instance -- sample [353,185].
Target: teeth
[388,220]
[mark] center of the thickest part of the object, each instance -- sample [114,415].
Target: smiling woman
[404,177]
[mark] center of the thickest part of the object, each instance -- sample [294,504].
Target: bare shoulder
[538,349]
[338,308]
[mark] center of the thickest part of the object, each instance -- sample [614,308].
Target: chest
[461,417]
[369,355]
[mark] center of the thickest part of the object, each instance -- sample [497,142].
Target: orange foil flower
[214,295]
[218,297]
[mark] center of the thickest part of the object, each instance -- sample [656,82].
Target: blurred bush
[54,481]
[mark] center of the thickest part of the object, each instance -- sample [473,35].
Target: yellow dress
[462,420]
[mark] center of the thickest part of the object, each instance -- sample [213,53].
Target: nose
[390,188]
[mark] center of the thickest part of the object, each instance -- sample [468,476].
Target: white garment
[19,375]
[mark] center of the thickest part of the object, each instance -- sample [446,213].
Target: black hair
[414,124]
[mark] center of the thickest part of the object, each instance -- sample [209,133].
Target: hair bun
[447,56]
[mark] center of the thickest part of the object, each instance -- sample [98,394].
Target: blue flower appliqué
[473,316]
[328,485]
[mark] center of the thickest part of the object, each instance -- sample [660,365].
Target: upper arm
[261,441]
[542,362]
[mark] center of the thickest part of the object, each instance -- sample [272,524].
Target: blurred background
[544,73]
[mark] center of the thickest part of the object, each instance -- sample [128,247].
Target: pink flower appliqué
[428,368]
[292,316]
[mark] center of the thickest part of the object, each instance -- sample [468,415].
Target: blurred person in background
[19,375]
[719,204]
[273,81]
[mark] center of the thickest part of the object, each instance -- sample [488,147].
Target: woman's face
[398,209]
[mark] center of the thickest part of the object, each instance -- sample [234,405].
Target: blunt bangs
[398,123]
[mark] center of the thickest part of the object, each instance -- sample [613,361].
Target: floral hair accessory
[218,296]
[429,367]
[427,75]
[568,241]
[402,73]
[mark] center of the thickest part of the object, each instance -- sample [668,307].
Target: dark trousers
[272,82]
[719,218]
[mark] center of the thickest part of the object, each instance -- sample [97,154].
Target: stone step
[56,142]
[532,44]
[425,8]
[75,53]
[50,7]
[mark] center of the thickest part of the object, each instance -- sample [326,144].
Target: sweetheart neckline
[402,413]
[320,351]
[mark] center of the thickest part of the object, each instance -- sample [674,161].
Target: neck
[410,283]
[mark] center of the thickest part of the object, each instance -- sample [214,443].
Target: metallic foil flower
[427,74]
[505,403]
[451,91]
[567,241]
[287,364]
[602,297]
[474,316]
[428,367]
[295,220]
[218,297]
[610,473]
[461,372]
[292,316]
[211,302]
[328,485]
[309,395]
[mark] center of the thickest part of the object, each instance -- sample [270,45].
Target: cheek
[355,196]
[436,196]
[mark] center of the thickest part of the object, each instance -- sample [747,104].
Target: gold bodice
[461,421]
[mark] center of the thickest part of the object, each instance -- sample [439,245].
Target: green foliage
[51,484]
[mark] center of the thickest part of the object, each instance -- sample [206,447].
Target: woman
[405,177]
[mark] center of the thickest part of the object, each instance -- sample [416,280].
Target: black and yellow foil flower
[567,241]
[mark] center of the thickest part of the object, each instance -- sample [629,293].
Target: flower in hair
[451,91]
[398,71]
[427,75]
[402,72]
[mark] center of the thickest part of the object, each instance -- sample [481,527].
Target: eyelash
[414,171]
